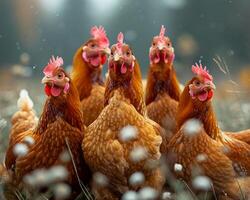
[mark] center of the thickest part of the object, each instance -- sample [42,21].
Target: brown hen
[87,73]
[162,90]
[198,136]
[105,149]
[60,124]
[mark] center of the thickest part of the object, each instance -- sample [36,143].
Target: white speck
[62,191]
[177,167]
[138,154]
[100,179]
[192,127]
[30,140]
[57,173]
[25,58]
[20,149]
[37,178]
[202,183]
[148,193]
[130,195]
[201,157]
[166,195]
[64,156]
[128,133]
[136,178]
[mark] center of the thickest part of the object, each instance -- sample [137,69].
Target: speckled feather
[105,153]
[90,87]
[61,119]
[162,96]
[217,166]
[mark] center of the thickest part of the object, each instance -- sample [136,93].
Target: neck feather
[194,109]
[130,89]
[84,76]
[65,106]
[162,79]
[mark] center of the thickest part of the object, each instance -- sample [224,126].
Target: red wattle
[47,90]
[210,94]
[103,59]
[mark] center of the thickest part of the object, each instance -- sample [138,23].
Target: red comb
[100,34]
[199,70]
[53,64]
[120,39]
[162,32]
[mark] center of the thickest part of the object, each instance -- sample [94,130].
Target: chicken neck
[162,79]
[84,75]
[65,106]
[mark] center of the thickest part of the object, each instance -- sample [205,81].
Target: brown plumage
[60,120]
[225,157]
[104,150]
[162,89]
[162,96]
[88,78]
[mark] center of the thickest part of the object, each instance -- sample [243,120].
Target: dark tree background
[199,29]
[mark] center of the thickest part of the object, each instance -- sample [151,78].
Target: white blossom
[192,127]
[20,149]
[128,133]
[202,183]
[136,178]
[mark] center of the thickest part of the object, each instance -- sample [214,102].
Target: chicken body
[200,155]
[90,87]
[87,74]
[162,90]
[104,148]
[105,152]
[224,158]
[162,96]
[59,130]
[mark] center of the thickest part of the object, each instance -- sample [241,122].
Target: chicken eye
[197,83]
[128,53]
[93,45]
[153,44]
[168,44]
[60,76]
[112,53]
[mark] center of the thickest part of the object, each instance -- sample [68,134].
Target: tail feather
[25,118]
[243,136]
[24,102]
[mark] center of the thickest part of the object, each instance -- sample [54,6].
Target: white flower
[130,195]
[201,157]
[30,140]
[100,179]
[62,191]
[65,156]
[128,133]
[57,173]
[148,193]
[202,183]
[166,195]
[136,178]
[177,167]
[138,154]
[192,127]
[20,149]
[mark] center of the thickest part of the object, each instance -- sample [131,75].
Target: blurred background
[215,32]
